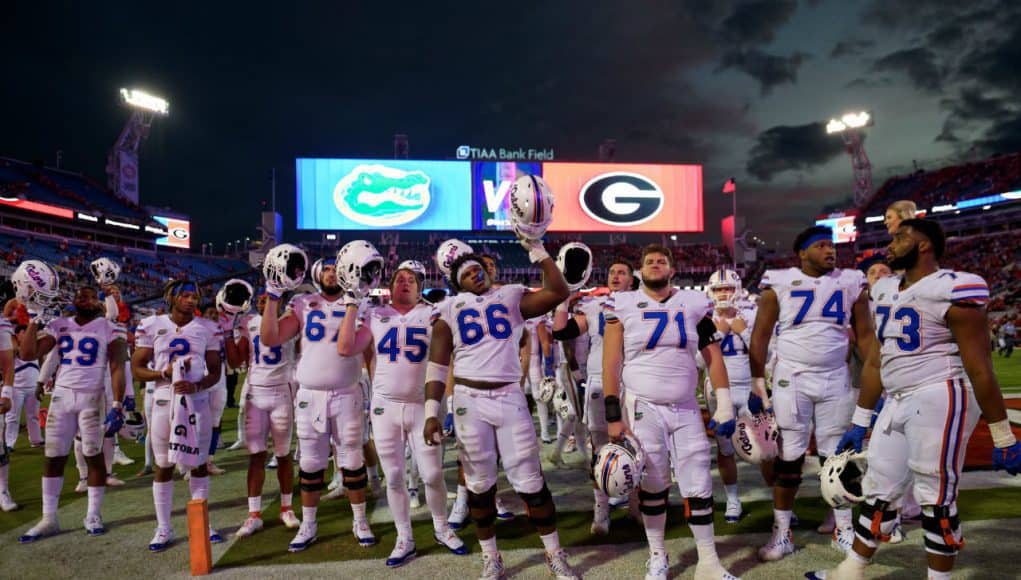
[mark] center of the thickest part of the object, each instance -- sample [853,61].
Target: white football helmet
[719,282]
[317,271]
[35,281]
[575,261]
[841,478]
[547,387]
[285,266]
[449,251]
[755,438]
[105,271]
[235,297]
[619,466]
[134,425]
[563,404]
[359,266]
[531,203]
[413,265]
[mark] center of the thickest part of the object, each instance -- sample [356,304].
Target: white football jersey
[167,340]
[267,366]
[401,344]
[532,325]
[660,342]
[320,367]
[83,351]
[592,308]
[815,315]
[917,347]
[6,332]
[487,330]
[735,347]
[26,373]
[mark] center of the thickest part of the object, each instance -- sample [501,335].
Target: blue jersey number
[495,323]
[662,318]
[414,347]
[833,308]
[272,357]
[910,326]
[729,348]
[315,330]
[88,349]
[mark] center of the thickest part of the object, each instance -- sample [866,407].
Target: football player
[329,401]
[161,339]
[89,346]
[933,358]
[6,395]
[588,319]
[815,304]
[482,329]
[398,335]
[26,375]
[650,339]
[268,402]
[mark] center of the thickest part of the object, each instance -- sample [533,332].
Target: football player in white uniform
[588,319]
[217,394]
[329,401]
[482,328]
[815,305]
[933,358]
[89,346]
[161,339]
[268,402]
[398,335]
[540,363]
[6,394]
[24,397]
[734,320]
[650,339]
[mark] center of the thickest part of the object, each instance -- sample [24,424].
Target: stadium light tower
[851,128]
[122,161]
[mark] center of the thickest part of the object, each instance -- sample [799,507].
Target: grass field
[1008,371]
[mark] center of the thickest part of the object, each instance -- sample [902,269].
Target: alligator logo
[381,196]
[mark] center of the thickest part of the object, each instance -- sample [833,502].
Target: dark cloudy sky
[743,88]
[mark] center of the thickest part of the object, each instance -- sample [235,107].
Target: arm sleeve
[112,308]
[707,333]
[568,332]
[49,366]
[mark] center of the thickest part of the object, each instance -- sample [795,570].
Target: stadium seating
[57,187]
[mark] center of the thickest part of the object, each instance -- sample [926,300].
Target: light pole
[851,127]
[122,161]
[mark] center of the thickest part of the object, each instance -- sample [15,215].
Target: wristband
[862,417]
[435,372]
[613,414]
[1002,434]
[724,404]
[116,405]
[7,392]
[432,409]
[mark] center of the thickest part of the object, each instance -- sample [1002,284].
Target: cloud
[867,83]
[756,22]
[919,64]
[846,48]
[769,69]
[790,148]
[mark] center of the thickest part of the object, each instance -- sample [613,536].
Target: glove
[114,421]
[757,406]
[853,439]
[723,422]
[725,428]
[448,425]
[535,249]
[1008,458]
[129,404]
[274,291]
[353,296]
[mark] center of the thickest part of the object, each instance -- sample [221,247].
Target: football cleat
[458,515]
[111,481]
[120,458]
[161,540]
[449,540]
[402,553]
[734,511]
[213,469]
[363,533]
[415,501]
[305,538]
[843,539]
[289,519]
[601,520]
[46,527]
[239,444]
[7,503]
[252,524]
[780,545]
[502,511]
[82,487]
[558,566]
[215,537]
[713,571]
[657,566]
[897,535]
[335,493]
[272,463]
[94,525]
[492,567]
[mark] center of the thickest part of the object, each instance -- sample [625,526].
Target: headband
[815,238]
[464,266]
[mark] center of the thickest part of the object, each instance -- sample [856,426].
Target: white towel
[184,435]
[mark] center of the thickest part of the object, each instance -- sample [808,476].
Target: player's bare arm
[275,331]
[969,326]
[351,340]
[440,348]
[613,363]
[118,355]
[554,291]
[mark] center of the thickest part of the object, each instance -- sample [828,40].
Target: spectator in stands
[898,211]
[1008,333]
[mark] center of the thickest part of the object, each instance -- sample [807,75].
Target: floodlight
[143,100]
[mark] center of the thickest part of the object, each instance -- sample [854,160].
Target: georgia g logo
[621,199]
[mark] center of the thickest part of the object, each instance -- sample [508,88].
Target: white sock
[358,509]
[3,478]
[286,500]
[551,542]
[655,531]
[462,495]
[255,504]
[782,519]
[489,546]
[308,514]
[95,499]
[108,455]
[561,442]
[542,409]
[199,487]
[937,575]
[844,518]
[51,494]
[853,565]
[731,491]
[436,498]
[705,544]
[400,506]
[163,501]
[602,500]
